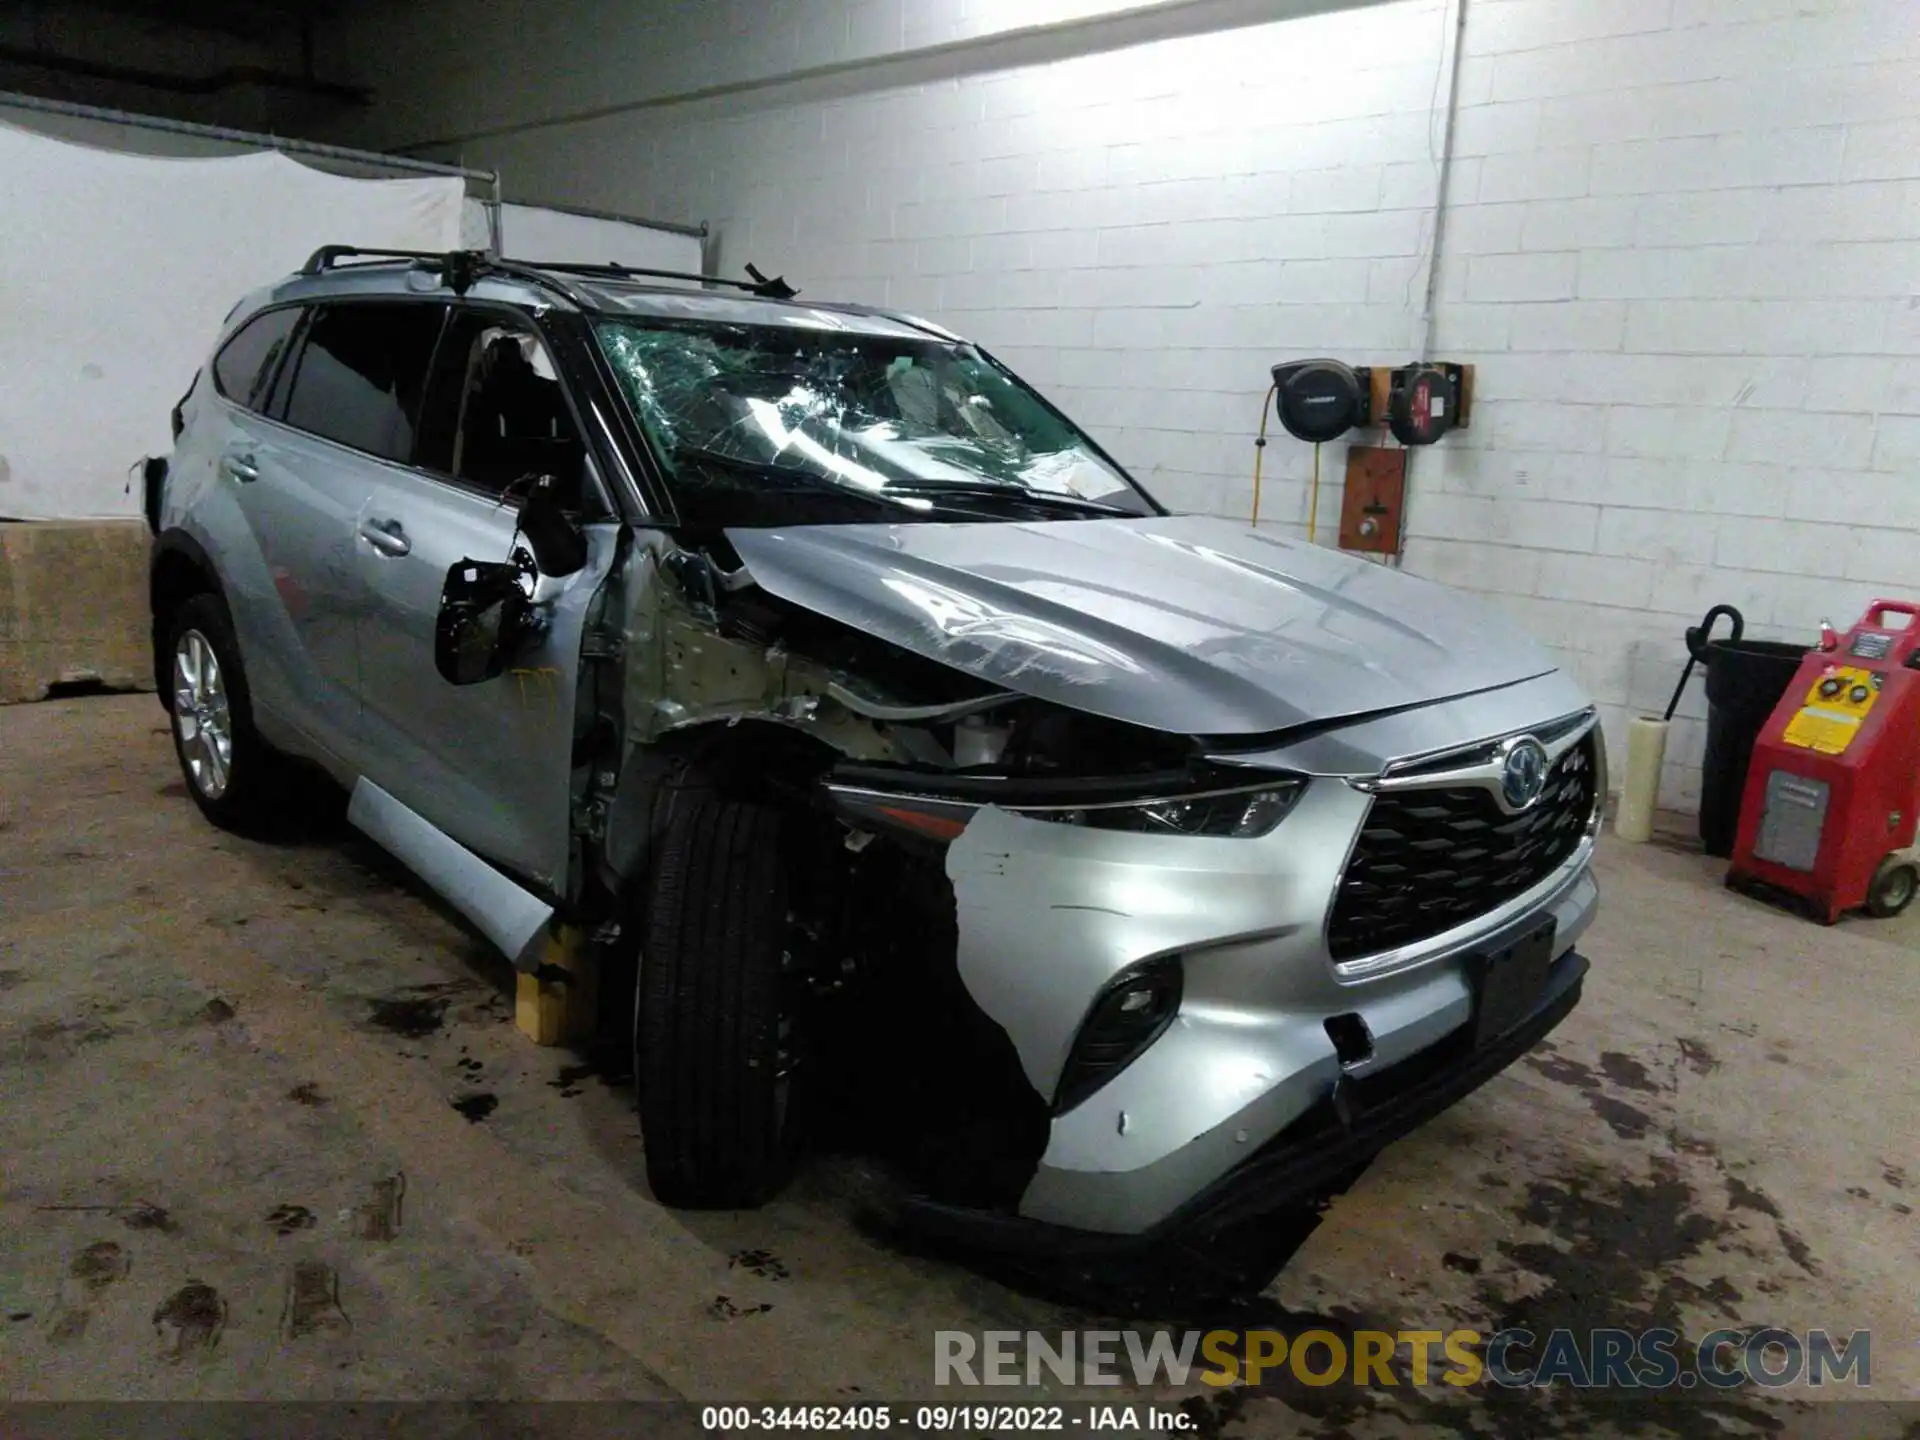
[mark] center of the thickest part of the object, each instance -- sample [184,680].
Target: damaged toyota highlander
[1129,880]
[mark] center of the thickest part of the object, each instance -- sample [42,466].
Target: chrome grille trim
[1440,851]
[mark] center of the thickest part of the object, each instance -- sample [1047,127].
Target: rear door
[340,408]
[273,529]
[489,764]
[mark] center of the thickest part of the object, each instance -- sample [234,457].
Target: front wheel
[713,1048]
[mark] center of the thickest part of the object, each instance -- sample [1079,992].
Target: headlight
[1240,813]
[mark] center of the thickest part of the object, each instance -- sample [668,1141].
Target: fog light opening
[1128,1017]
[1352,1041]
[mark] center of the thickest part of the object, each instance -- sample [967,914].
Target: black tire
[714,1113]
[1893,887]
[251,777]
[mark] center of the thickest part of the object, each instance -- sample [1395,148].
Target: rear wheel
[1893,887]
[230,773]
[713,1045]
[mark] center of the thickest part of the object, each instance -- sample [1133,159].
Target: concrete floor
[246,1154]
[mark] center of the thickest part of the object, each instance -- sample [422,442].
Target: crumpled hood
[1190,624]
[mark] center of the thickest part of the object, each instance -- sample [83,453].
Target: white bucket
[1640,788]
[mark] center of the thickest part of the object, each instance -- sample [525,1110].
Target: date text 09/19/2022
[933,1419]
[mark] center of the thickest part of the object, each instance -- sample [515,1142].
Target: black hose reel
[1320,400]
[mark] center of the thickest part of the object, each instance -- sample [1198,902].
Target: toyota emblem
[1523,772]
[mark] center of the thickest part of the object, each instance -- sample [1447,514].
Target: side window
[496,414]
[362,372]
[274,401]
[245,366]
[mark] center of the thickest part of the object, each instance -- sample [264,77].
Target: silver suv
[1136,877]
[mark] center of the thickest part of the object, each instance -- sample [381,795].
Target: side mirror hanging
[486,618]
[559,548]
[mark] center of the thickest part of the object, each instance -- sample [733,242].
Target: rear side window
[245,366]
[361,373]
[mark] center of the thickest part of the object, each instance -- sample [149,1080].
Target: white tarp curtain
[533,232]
[116,270]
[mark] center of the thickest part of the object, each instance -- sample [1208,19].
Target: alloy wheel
[202,721]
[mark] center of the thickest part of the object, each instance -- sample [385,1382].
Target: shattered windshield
[780,424]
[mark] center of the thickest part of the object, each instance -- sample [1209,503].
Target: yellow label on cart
[1836,706]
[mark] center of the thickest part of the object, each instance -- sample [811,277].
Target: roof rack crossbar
[463,266]
[459,268]
[327,256]
[772,289]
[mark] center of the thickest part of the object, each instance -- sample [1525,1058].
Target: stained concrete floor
[267,1132]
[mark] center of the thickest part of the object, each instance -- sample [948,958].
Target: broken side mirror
[486,618]
[558,544]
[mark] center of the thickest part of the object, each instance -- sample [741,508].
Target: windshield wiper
[900,494]
[808,480]
[1043,499]
[740,463]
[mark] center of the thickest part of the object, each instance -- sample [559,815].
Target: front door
[489,764]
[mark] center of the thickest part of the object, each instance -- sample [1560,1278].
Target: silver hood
[1190,624]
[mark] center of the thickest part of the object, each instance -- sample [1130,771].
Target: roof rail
[463,267]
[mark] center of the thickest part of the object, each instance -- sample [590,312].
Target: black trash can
[1745,680]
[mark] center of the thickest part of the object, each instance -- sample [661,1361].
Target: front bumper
[1313,1155]
[1049,914]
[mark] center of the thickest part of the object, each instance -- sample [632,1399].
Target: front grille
[1428,860]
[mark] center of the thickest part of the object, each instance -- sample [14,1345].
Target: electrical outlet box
[1375,499]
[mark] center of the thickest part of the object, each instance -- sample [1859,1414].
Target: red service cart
[1834,789]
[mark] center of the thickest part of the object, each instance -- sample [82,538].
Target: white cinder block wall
[1681,242]
[1687,260]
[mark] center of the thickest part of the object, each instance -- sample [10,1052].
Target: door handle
[240,467]
[386,536]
